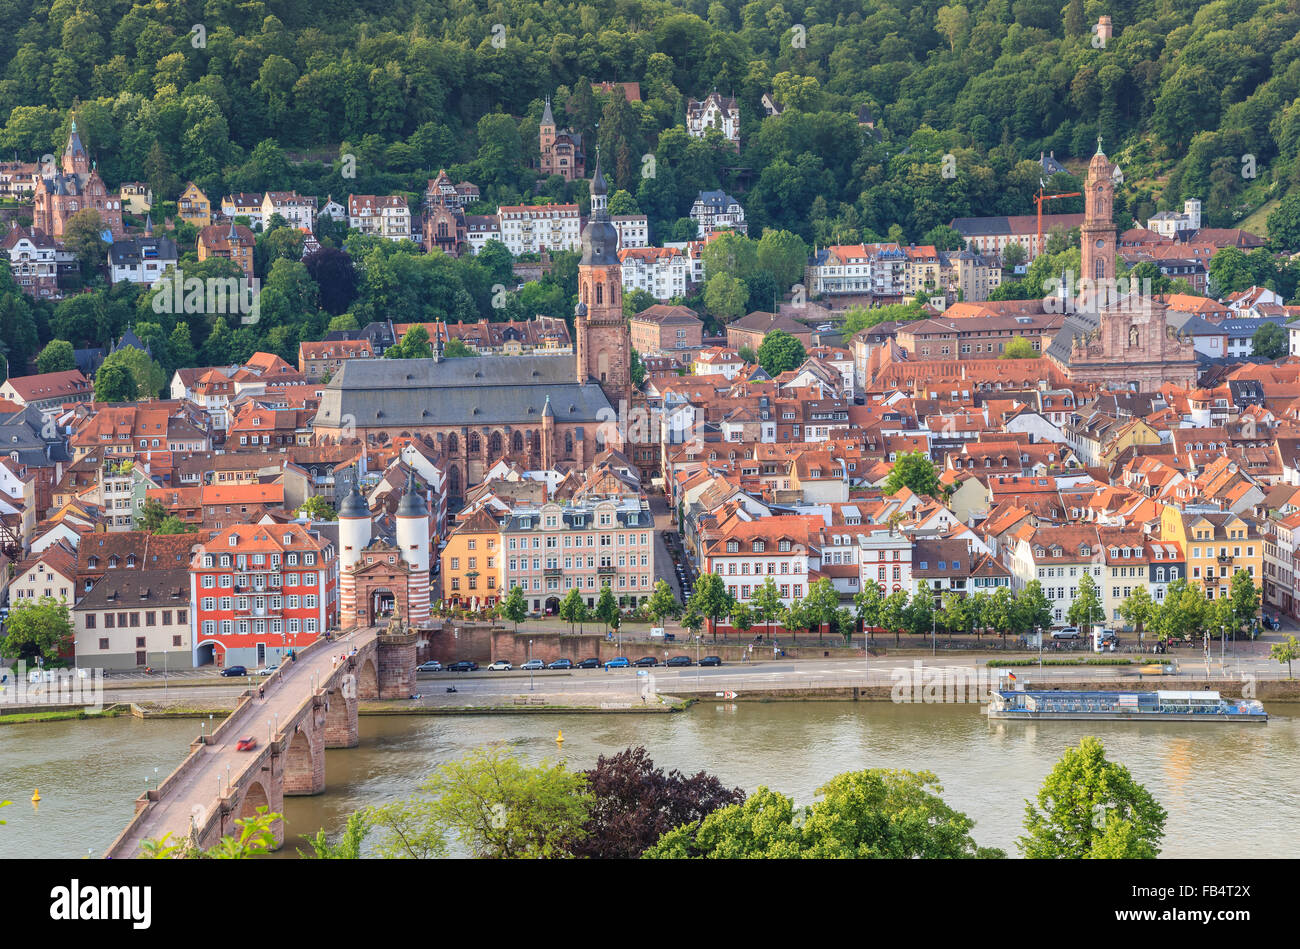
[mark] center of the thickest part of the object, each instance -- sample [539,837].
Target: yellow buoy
[36,795]
[559,738]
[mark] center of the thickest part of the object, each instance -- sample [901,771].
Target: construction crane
[1038,200]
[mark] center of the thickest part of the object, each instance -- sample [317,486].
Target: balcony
[552,572]
[606,569]
[1224,558]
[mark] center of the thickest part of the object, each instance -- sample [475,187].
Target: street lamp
[530,665]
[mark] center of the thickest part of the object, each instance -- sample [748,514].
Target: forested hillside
[1180,94]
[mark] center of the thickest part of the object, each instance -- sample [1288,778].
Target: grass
[1257,221]
[23,718]
[1002,663]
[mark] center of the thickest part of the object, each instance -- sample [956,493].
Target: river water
[1228,789]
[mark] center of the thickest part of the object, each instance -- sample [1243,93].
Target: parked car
[533,664]
[563,664]
[589,664]
[711,661]
[618,662]
[1069,632]
[267,670]
[465,665]
[234,671]
[680,661]
[500,666]
[646,661]
[433,665]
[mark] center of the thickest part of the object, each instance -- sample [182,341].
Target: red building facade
[260,589]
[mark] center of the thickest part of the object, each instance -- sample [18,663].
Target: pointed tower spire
[148,225]
[547,117]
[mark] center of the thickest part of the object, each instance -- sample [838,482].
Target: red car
[246,744]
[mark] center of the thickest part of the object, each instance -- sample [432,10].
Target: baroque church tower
[604,346]
[1097,243]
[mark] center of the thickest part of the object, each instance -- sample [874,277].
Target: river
[1227,788]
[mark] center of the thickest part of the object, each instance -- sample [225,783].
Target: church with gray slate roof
[542,411]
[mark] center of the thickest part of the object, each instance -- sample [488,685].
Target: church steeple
[1098,240]
[603,345]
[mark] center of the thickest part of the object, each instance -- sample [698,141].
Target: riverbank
[61,715]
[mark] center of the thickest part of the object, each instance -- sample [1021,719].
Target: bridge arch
[367,680]
[304,761]
[256,795]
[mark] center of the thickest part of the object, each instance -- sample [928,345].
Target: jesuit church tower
[604,347]
[1097,242]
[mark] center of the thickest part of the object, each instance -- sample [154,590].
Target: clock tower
[603,341]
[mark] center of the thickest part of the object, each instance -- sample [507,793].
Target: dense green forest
[1191,99]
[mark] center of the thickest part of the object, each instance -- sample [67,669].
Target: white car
[267,670]
[500,666]
[433,665]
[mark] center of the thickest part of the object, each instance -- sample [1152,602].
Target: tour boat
[1125,706]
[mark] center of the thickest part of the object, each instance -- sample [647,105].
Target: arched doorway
[381,603]
[552,606]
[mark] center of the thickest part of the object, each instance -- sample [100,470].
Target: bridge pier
[340,719]
[304,759]
[396,657]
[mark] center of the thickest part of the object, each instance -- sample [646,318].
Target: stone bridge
[310,705]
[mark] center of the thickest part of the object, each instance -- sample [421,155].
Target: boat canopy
[1188,696]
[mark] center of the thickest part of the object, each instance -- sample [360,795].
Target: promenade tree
[515,607]
[742,618]
[1287,651]
[980,608]
[692,620]
[572,609]
[1001,612]
[920,613]
[797,616]
[821,603]
[846,623]
[1086,608]
[1089,807]
[633,804]
[662,603]
[712,599]
[1244,596]
[1032,609]
[766,603]
[606,607]
[1137,610]
[893,613]
[872,814]
[869,604]
[957,613]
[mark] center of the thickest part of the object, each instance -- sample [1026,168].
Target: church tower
[604,347]
[546,139]
[1097,241]
[75,160]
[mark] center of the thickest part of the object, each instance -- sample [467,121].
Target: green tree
[514,607]
[1283,223]
[318,509]
[348,846]
[822,602]
[692,619]
[766,603]
[783,255]
[81,237]
[115,384]
[872,814]
[606,607]
[725,297]
[171,524]
[742,618]
[712,600]
[1086,608]
[957,613]
[893,613]
[454,349]
[662,603]
[920,615]
[1033,610]
[57,356]
[1270,341]
[1137,610]
[1287,651]
[869,605]
[1019,348]
[780,352]
[1089,808]
[414,345]
[572,609]
[40,628]
[150,516]
[147,375]
[913,470]
[636,369]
